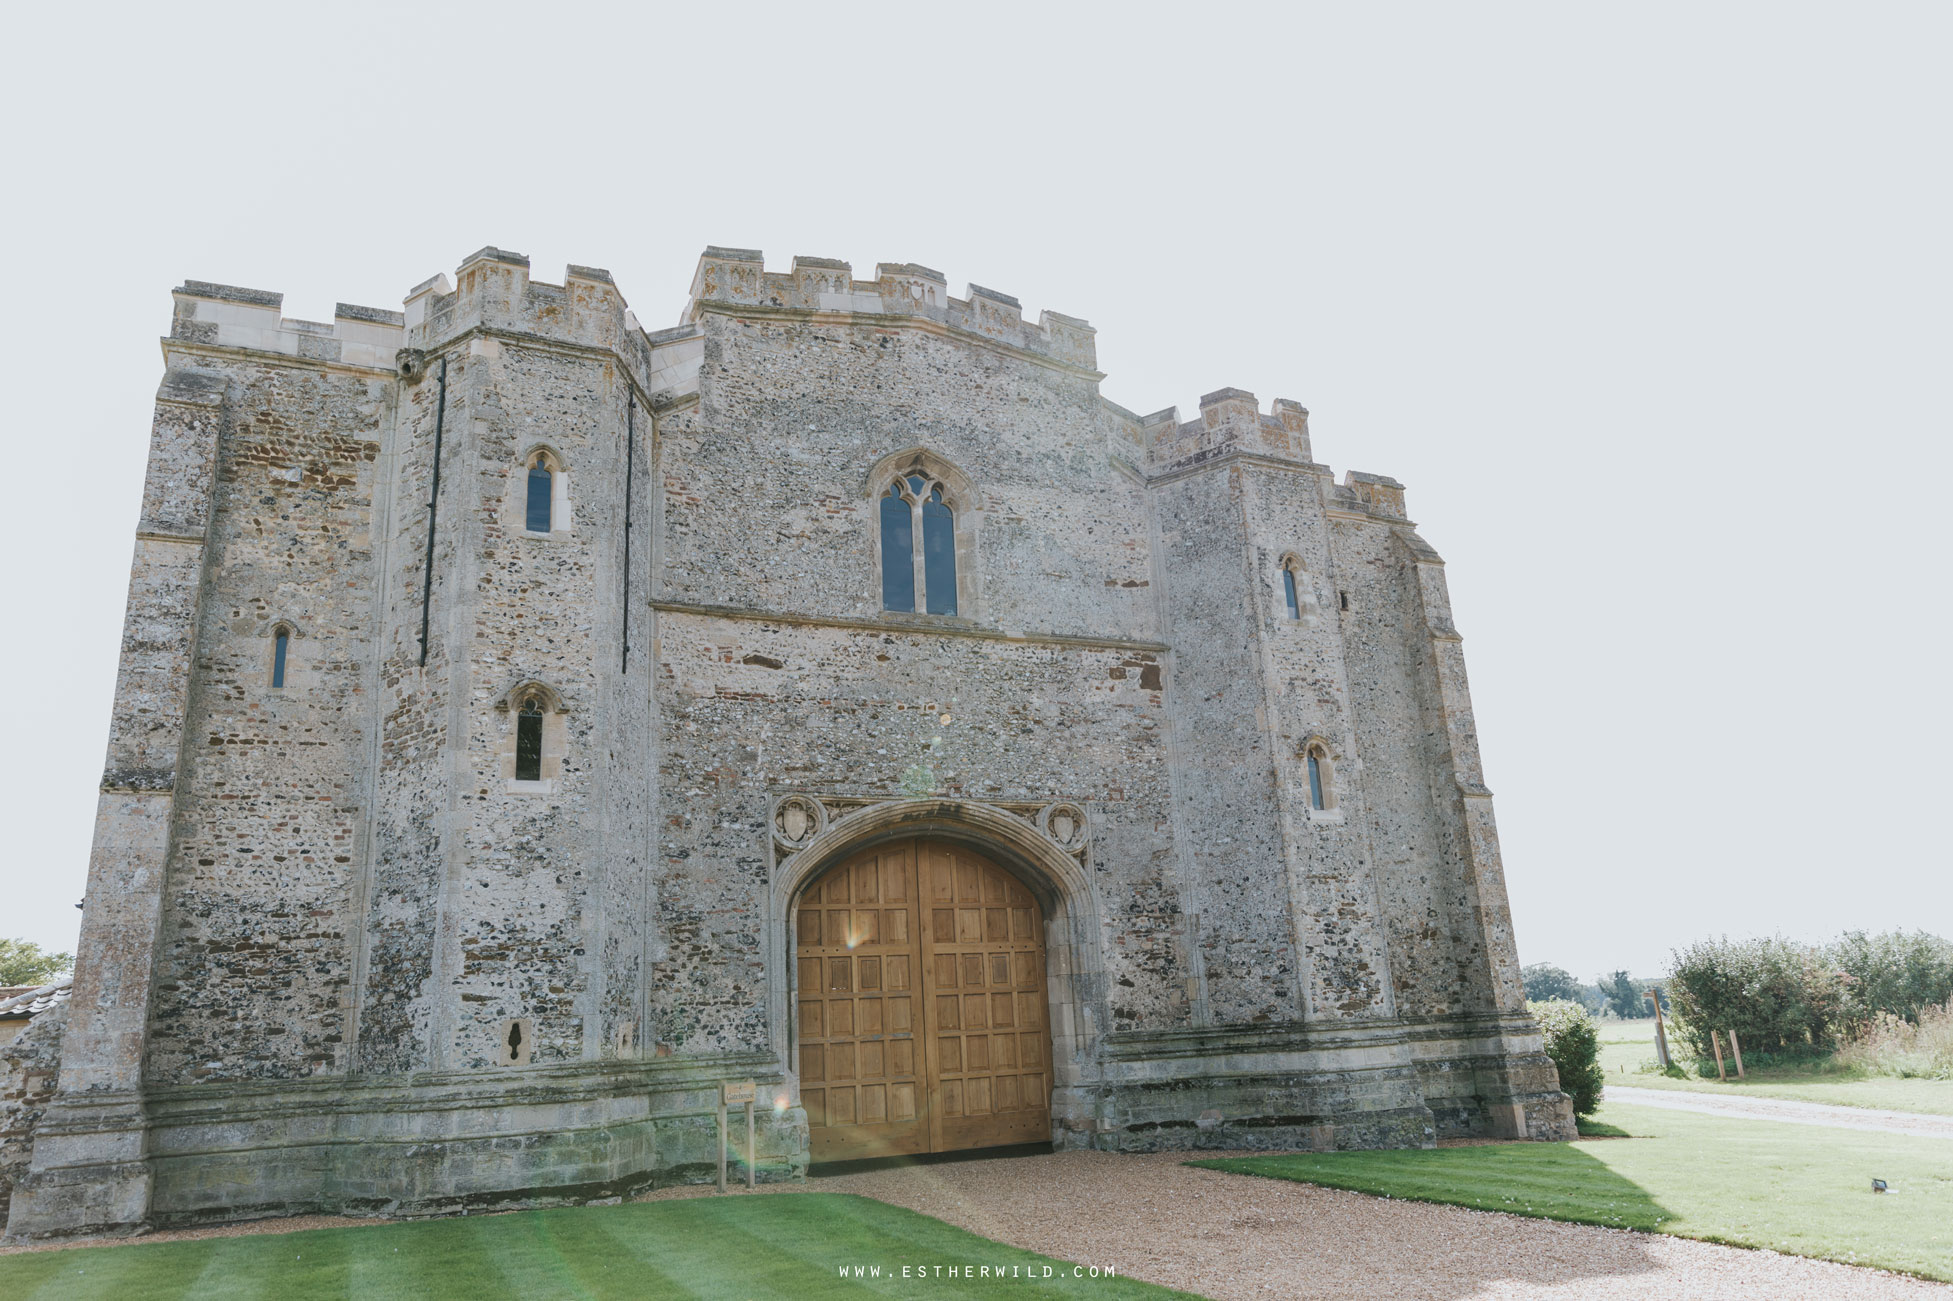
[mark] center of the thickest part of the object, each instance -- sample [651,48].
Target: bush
[1894,974]
[1892,1045]
[1780,996]
[1573,1042]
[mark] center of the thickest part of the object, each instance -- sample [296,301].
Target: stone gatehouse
[527,722]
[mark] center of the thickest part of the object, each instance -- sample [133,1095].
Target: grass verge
[787,1247]
[1627,1046]
[1801,1189]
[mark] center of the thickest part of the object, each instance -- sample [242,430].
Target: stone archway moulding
[1025,841]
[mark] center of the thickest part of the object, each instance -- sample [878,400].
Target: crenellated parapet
[1370,494]
[1230,422]
[492,291]
[735,278]
[226,316]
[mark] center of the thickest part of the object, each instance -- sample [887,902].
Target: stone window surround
[1307,602]
[524,1046]
[1331,810]
[561,521]
[966,511]
[555,736]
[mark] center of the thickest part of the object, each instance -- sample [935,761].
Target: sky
[1647,305]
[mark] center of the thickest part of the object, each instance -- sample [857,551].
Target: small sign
[742,1092]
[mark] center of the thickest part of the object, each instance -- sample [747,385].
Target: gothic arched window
[916,504]
[542,489]
[529,741]
[1288,590]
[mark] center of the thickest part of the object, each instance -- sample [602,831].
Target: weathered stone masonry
[338,957]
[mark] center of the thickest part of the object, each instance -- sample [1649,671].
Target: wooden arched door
[921,1005]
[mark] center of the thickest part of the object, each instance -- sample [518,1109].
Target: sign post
[732,1094]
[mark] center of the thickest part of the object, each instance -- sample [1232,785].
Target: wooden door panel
[984,952]
[860,1073]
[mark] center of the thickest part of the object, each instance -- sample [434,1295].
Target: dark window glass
[528,743]
[278,650]
[1288,586]
[938,555]
[917,483]
[898,554]
[1315,782]
[539,490]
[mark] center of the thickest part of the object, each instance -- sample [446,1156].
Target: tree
[22,962]
[1623,996]
[1573,1042]
[1545,981]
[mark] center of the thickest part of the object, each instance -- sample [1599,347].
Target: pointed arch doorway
[920,1004]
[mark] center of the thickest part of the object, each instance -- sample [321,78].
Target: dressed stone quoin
[528,723]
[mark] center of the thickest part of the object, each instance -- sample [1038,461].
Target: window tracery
[917,505]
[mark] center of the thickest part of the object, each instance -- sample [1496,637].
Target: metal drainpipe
[630,458]
[433,501]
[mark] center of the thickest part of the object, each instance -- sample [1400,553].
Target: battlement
[493,289]
[231,317]
[1230,420]
[737,277]
[1374,494]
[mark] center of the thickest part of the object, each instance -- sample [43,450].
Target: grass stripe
[781,1247]
[1801,1189]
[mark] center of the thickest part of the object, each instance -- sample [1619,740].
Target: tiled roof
[35,1001]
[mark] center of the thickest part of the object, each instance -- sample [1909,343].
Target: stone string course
[315,911]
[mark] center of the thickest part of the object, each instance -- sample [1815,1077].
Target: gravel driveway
[1797,1113]
[1233,1236]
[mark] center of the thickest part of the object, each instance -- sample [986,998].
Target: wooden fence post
[1661,1035]
[1736,1048]
[1715,1042]
[722,1139]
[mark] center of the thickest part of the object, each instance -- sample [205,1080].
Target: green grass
[787,1247]
[1627,1053]
[1802,1189]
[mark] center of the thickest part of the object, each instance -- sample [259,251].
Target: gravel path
[1233,1237]
[1797,1113]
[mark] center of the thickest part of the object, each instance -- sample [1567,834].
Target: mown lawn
[1627,1046]
[788,1246]
[1802,1189]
